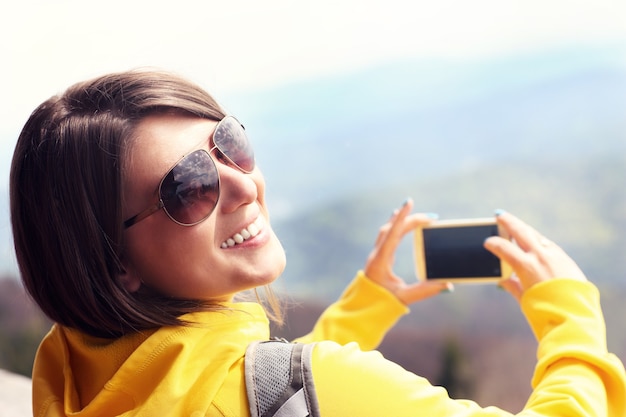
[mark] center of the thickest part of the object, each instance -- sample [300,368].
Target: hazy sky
[232,45]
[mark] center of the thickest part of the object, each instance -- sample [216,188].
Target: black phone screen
[458,252]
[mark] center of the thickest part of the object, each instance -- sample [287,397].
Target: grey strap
[279,380]
[295,406]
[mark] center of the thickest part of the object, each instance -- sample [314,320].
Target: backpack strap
[279,381]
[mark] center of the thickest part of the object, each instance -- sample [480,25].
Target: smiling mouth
[247,233]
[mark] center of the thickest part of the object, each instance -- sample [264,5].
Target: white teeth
[251,231]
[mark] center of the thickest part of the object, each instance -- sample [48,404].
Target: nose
[236,188]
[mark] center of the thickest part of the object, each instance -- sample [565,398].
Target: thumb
[513,286]
[422,290]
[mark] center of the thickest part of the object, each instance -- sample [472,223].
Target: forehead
[159,142]
[169,137]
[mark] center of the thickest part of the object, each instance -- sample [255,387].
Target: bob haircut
[66,185]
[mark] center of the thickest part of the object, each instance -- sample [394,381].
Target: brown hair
[66,200]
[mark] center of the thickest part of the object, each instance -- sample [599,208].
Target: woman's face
[190,261]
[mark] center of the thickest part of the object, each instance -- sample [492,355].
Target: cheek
[142,254]
[160,249]
[259,181]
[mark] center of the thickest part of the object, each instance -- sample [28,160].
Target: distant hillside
[579,203]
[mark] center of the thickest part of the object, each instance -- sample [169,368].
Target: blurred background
[353,106]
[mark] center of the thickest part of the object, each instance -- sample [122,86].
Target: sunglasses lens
[230,138]
[190,190]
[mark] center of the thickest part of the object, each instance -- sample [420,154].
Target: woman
[139,214]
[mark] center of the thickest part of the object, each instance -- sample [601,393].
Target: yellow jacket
[198,371]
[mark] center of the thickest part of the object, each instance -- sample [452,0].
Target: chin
[267,266]
[280,258]
[279,268]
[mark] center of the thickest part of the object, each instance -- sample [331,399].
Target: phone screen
[458,252]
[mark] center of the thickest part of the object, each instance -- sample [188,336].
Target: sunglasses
[189,191]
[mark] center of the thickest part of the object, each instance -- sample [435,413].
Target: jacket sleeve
[572,354]
[363,314]
[575,375]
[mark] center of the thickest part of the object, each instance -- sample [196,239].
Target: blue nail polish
[406,201]
[448,289]
[433,216]
[499,212]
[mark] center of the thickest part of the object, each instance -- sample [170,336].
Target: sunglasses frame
[161,205]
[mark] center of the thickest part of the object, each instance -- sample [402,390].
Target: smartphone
[452,250]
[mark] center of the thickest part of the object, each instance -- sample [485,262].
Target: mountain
[542,135]
[579,203]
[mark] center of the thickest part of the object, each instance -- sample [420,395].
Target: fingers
[524,235]
[507,251]
[533,257]
[519,231]
[379,264]
[400,223]
[390,228]
[520,253]
[391,232]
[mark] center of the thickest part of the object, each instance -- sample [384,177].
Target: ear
[129,279]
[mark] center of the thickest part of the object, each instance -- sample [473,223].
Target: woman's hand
[379,265]
[533,257]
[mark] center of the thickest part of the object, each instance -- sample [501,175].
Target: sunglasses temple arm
[146,213]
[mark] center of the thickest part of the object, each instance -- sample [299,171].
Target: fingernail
[408,199]
[448,289]
[433,216]
[499,212]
